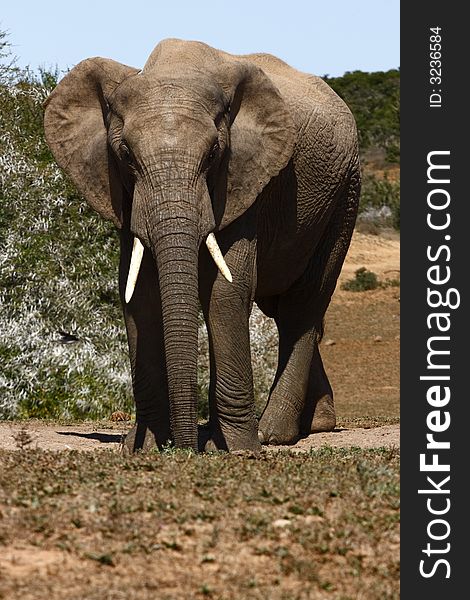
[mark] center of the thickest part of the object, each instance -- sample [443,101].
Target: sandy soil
[88,437]
[378,253]
[361,345]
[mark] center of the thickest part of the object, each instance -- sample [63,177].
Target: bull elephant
[232,180]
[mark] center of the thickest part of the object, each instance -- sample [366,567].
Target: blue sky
[321,37]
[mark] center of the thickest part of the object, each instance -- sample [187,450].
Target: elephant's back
[301,90]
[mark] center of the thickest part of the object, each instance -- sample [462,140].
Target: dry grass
[176,525]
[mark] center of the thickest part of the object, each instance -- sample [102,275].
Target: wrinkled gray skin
[262,155]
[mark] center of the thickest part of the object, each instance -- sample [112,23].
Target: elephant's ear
[75,128]
[262,139]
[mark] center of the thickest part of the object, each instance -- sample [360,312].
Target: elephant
[260,162]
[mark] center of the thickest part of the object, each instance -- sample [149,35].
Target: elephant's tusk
[216,254]
[136,259]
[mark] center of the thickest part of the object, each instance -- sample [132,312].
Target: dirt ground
[360,351]
[361,345]
[90,437]
[173,526]
[378,253]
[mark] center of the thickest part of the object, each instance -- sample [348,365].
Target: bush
[363,280]
[58,271]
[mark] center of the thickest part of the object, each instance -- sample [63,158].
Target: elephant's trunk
[175,245]
[172,213]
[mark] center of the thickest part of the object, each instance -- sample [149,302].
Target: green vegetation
[57,273]
[179,525]
[374,99]
[363,280]
[367,280]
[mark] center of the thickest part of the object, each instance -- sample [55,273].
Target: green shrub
[363,280]
[58,271]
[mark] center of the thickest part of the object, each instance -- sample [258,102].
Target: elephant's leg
[226,306]
[280,422]
[143,318]
[319,410]
[301,399]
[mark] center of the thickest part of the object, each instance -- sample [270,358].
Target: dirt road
[88,436]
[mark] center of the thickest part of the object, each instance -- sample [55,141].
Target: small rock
[377,338]
[208,558]
[119,415]
[245,453]
[330,343]
[309,519]
[281,523]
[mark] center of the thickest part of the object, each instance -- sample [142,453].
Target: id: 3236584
[435,67]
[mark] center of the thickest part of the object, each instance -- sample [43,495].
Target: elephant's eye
[125,152]
[214,152]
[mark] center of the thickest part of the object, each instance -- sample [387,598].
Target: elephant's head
[174,152]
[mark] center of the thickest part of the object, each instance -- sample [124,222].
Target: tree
[8,69]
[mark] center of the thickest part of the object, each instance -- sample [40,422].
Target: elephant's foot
[234,440]
[323,418]
[144,437]
[279,424]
